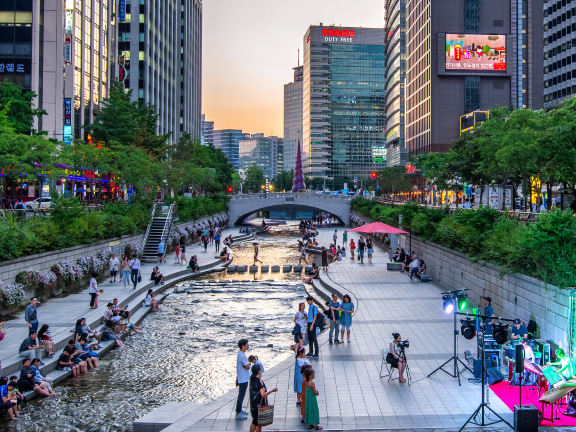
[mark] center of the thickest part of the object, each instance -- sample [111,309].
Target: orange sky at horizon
[248,54]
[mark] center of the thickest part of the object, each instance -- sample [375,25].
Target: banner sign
[67,111]
[68,50]
[122,11]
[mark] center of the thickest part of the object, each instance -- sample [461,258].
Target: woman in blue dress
[300,361]
[347,309]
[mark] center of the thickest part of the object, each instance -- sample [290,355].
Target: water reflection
[187,351]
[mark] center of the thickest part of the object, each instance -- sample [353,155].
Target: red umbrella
[378,228]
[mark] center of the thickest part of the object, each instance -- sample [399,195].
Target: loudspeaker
[525,418]
[494,376]
[478,368]
[519,358]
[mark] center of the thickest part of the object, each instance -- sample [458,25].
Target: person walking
[334,317]
[135,270]
[311,327]
[256,251]
[346,311]
[361,247]
[302,257]
[206,240]
[113,265]
[345,238]
[183,259]
[335,237]
[160,252]
[125,271]
[242,377]
[217,241]
[352,249]
[31,315]
[211,234]
[370,249]
[93,291]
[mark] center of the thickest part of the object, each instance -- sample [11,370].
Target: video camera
[404,344]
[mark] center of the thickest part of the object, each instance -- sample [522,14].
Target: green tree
[20,111]
[254,179]
[283,181]
[394,180]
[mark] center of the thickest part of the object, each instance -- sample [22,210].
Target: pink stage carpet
[511,396]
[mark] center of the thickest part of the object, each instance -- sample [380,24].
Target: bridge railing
[290,196]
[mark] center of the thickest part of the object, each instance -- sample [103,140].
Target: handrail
[167,222]
[149,225]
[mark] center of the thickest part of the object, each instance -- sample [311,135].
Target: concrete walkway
[353,397]
[61,313]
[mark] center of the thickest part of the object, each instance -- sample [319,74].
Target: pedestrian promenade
[353,397]
[61,313]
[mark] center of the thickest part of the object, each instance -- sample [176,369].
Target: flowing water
[187,351]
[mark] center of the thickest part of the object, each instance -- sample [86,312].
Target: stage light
[448,303]
[462,302]
[500,333]
[468,328]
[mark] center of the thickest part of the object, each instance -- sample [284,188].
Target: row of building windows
[559,34]
[560,63]
[560,48]
[560,19]
[554,7]
[570,90]
[560,78]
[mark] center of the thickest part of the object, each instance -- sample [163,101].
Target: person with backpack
[311,327]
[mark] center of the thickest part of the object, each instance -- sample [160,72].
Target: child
[352,248]
[177,257]
[303,370]
[10,399]
[254,360]
[312,414]
[127,327]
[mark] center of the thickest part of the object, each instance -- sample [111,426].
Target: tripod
[407,368]
[484,406]
[457,371]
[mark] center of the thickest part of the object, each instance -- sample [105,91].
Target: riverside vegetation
[545,249]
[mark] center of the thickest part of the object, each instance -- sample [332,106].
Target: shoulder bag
[297,330]
[265,413]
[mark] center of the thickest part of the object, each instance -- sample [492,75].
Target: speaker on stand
[520,367]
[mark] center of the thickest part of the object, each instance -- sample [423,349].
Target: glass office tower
[228,140]
[344,96]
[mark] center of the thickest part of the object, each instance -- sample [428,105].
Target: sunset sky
[250,48]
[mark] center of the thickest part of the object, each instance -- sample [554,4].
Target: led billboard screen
[465,52]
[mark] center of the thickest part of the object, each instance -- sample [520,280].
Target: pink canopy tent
[378,228]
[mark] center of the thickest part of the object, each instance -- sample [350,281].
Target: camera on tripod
[404,344]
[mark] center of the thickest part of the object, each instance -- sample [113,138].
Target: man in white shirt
[414,266]
[135,266]
[113,264]
[242,377]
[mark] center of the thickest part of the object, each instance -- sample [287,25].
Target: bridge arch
[241,206]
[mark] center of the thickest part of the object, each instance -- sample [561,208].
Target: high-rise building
[207,131]
[468,56]
[559,50]
[228,140]
[160,48]
[395,26]
[293,118]
[65,52]
[344,101]
[264,152]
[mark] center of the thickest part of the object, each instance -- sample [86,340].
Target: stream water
[187,351]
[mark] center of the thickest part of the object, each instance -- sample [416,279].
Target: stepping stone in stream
[264,268]
[275,269]
[297,269]
[232,268]
[253,269]
[308,269]
[241,269]
[287,268]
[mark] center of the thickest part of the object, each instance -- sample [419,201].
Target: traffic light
[230,189]
[374,175]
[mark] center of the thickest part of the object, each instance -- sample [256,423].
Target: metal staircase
[159,228]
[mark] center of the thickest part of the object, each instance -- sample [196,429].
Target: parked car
[39,203]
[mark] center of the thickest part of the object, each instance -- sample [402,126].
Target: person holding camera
[395,357]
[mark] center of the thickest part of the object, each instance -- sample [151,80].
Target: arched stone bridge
[241,206]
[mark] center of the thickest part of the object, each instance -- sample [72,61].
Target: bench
[394,266]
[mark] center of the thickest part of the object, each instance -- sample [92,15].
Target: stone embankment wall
[513,295]
[43,262]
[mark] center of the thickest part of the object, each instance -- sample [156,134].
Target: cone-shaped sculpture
[298,183]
